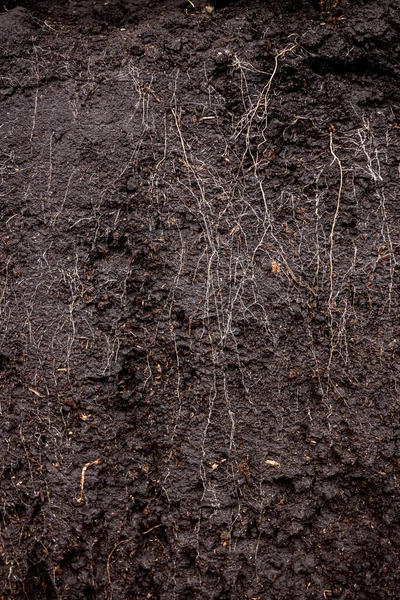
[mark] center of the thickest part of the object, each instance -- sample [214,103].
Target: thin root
[81,499]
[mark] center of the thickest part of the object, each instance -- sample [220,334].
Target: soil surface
[199,300]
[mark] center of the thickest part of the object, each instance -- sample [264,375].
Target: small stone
[130,184]
[223,57]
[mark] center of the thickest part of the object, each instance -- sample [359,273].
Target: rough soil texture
[199,300]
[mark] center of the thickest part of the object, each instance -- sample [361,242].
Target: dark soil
[199,300]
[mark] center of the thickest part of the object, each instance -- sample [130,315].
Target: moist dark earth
[199,300]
